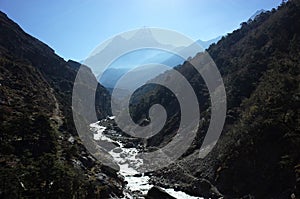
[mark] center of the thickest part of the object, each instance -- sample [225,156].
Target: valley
[43,155]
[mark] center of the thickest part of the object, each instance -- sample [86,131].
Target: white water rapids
[125,157]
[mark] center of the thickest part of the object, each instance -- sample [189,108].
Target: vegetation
[37,159]
[258,153]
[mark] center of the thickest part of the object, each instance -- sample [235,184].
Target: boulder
[157,193]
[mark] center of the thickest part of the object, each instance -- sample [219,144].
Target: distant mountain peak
[144,32]
[119,44]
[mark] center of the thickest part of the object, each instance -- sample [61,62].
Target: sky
[74,28]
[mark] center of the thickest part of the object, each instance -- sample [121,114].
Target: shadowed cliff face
[41,154]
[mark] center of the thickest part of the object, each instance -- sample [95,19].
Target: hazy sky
[73,28]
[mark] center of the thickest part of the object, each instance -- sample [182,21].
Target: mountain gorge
[257,155]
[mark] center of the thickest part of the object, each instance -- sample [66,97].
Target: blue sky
[73,28]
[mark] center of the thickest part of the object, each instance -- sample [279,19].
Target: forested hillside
[41,155]
[258,153]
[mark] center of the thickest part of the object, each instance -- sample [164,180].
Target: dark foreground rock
[205,188]
[156,192]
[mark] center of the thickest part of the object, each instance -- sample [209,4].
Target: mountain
[41,153]
[257,13]
[206,44]
[257,155]
[139,76]
[119,44]
[110,76]
[131,60]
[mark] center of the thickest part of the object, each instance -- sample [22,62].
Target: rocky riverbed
[124,154]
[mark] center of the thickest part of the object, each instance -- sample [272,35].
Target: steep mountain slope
[41,154]
[206,44]
[258,153]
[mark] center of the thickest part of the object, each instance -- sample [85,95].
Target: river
[127,157]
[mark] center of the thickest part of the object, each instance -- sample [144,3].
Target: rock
[117,150]
[157,193]
[177,187]
[117,144]
[293,196]
[205,188]
[102,178]
[71,139]
[123,155]
[137,175]
[248,197]
[87,161]
[129,145]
